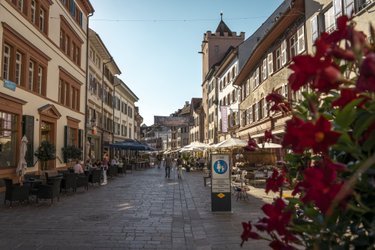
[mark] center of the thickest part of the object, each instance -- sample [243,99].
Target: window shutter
[80,138]
[270,63]
[283,53]
[66,135]
[301,39]
[314,28]
[349,7]
[337,8]
[28,131]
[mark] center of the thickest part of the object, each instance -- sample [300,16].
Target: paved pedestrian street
[139,210]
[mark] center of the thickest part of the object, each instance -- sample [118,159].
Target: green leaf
[347,115]
[369,145]
[363,122]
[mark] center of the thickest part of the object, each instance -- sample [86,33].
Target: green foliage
[72,153]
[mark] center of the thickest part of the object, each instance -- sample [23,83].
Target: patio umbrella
[269,145]
[231,143]
[22,165]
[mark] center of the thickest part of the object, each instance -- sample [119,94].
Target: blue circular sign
[220,167]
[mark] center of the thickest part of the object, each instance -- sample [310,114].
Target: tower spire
[221,16]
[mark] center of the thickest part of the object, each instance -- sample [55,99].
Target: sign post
[220,183]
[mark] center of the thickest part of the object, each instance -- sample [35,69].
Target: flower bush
[331,139]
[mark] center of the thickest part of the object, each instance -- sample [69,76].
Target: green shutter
[66,131]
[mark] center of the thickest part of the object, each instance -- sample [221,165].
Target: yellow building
[43,78]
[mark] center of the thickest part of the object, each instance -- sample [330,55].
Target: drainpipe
[87,88]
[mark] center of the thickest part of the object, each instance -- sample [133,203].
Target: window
[293,46]
[41,20]
[256,77]
[33,11]
[314,28]
[270,63]
[260,109]
[337,8]
[329,20]
[18,68]
[301,39]
[21,61]
[264,69]
[349,7]
[70,43]
[39,89]
[278,59]
[6,62]
[248,87]
[283,53]
[31,75]
[20,5]
[9,137]
[69,91]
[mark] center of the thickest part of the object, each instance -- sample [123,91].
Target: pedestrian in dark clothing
[168,165]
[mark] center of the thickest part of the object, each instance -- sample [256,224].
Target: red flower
[277,220]
[320,185]
[251,144]
[279,245]
[323,135]
[268,136]
[346,96]
[366,79]
[324,75]
[279,102]
[275,182]
[247,233]
[302,135]
[298,135]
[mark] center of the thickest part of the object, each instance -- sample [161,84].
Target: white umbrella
[22,165]
[231,143]
[269,145]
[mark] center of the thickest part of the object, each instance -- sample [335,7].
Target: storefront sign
[10,85]
[220,184]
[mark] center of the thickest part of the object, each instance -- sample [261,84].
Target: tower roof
[222,27]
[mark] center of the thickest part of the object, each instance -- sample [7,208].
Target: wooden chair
[15,192]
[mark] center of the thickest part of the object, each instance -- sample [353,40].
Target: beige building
[125,123]
[214,48]
[101,85]
[196,112]
[289,31]
[43,76]
[281,37]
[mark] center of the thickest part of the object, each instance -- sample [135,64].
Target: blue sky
[155,43]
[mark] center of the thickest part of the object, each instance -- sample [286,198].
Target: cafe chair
[82,181]
[15,192]
[50,190]
[68,182]
[95,176]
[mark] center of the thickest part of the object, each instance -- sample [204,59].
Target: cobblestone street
[134,211]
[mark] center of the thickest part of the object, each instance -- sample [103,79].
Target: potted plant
[71,153]
[45,152]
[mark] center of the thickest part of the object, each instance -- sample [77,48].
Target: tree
[45,152]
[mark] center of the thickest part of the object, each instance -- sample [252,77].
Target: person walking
[168,165]
[179,167]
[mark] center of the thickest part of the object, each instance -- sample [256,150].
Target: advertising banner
[224,118]
[171,121]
